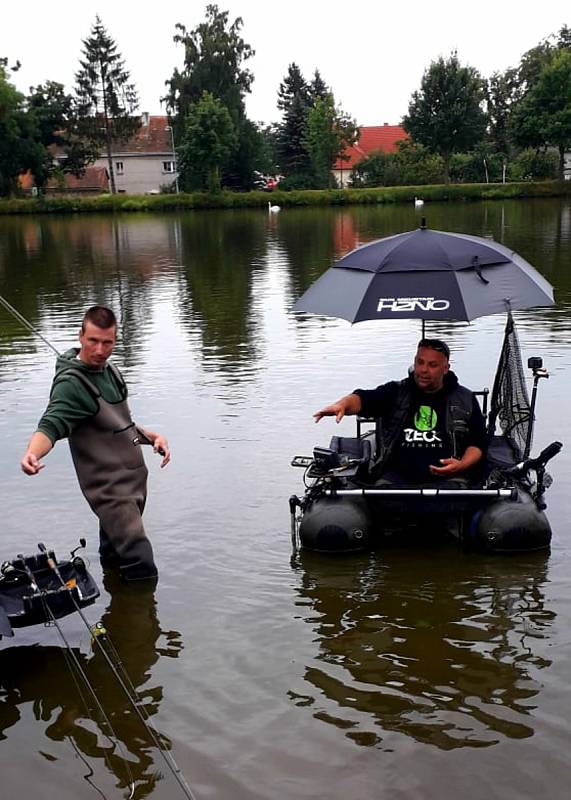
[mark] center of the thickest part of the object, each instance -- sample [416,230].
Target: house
[95,180]
[147,161]
[372,139]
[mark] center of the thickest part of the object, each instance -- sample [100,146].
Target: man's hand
[30,464]
[39,446]
[451,467]
[351,404]
[161,446]
[336,410]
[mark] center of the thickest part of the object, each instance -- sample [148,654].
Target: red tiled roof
[154,137]
[371,140]
[95,179]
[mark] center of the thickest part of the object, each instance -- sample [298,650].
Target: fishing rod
[25,322]
[97,632]
[114,739]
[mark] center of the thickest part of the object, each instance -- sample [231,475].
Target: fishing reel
[77,561]
[8,572]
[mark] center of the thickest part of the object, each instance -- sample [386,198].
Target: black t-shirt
[423,440]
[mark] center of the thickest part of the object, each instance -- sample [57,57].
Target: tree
[106,100]
[543,118]
[501,95]
[318,89]
[295,101]
[19,147]
[328,134]
[214,57]
[53,111]
[446,115]
[209,138]
[214,53]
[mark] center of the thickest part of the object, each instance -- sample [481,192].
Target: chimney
[145,118]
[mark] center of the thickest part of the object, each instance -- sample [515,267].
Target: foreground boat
[441,276]
[504,511]
[342,512]
[37,589]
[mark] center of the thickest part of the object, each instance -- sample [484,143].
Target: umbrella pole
[423,329]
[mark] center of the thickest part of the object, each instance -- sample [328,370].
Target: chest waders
[106,452]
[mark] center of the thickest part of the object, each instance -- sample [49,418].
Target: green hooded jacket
[71,401]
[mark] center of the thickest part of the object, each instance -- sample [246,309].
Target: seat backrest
[351,447]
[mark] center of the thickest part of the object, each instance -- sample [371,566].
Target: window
[119,167]
[168,166]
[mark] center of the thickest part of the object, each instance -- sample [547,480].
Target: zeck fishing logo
[399,304]
[423,433]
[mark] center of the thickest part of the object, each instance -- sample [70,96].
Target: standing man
[432,430]
[88,406]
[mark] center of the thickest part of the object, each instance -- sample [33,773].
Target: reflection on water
[441,649]
[418,656]
[52,267]
[45,680]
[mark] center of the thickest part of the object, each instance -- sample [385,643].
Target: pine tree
[295,101]
[318,89]
[106,100]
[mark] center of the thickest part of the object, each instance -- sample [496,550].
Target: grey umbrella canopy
[424,274]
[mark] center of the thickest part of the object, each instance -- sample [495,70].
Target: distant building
[372,139]
[145,162]
[95,180]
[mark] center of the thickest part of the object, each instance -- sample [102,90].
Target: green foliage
[446,114]
[106,100]
[56,123]
[296,198]
[209,138]
[411,164]
[544,115]
[318,89]
[534,165]
[297,180]
[20,148]
[214,54]
[502,92]
[328,133]
[294,100]
[268,150]
[214,57]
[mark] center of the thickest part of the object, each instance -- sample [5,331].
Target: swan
[273,209]
[418,202]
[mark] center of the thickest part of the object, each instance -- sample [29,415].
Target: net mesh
[510,409]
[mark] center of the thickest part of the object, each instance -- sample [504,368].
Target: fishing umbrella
[426,274]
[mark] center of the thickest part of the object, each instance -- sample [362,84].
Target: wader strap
[120,380]
[76,373]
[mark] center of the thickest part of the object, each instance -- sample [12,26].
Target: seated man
[432,429]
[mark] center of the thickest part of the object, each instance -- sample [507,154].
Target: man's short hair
[436,344]
[101,316]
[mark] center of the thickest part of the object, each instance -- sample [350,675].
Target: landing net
[510,408]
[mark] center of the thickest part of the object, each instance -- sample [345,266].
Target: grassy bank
[325,197]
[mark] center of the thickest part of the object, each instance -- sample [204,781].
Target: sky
[371,54]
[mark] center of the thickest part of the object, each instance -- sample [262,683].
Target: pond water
[403,673]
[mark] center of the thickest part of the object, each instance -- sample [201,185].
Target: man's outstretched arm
[39,446]
[350,404]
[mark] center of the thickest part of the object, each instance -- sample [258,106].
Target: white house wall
[141,173]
